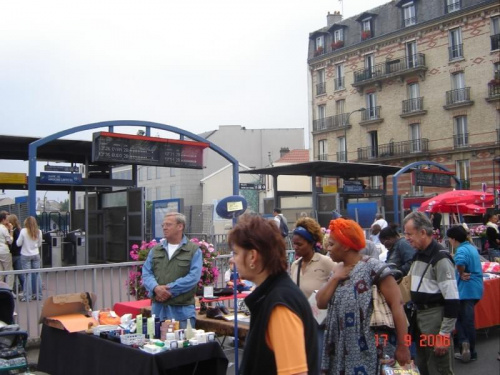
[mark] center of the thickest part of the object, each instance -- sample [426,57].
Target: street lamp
[346,121]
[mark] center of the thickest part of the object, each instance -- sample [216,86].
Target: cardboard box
[69,311]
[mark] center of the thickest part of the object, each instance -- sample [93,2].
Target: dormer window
[320,45]
[453,5]
[409,17]
[366,29]
[338,35]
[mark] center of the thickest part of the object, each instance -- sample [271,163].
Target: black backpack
[283,227]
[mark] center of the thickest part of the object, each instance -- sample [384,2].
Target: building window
[158,192]
[149,194]
[462,171]
[142,173]
[320,45]
[461,136]
[409,17]
[366,29]
[369,65]
[321,121]
[371,107]
[411,54]
[339,77]
[458,92]
[414,102]
[341,155]
[322,150]
[417,190]
[455,48]
[340,106]
[373,139]
[375,182]
[321,85]
[495,33]
[150,172]
[452,5]
[338,35]
[173,191]
[415,139]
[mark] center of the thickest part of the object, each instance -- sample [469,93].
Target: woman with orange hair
[350,345]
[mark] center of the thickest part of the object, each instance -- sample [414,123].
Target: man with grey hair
[435,294]
[172,271]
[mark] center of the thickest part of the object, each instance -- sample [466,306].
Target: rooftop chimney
[284,151]
[336,17]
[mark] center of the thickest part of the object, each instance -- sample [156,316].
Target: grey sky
[191,64]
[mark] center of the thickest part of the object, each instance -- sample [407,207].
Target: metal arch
[33,147]
[403,170]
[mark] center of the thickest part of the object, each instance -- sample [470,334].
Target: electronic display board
[432,178]
[141,150]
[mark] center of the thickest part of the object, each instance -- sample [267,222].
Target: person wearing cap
[312,269]
[350,345]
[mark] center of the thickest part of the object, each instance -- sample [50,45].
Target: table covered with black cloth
[79,353]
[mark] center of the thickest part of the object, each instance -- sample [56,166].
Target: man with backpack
[281,222]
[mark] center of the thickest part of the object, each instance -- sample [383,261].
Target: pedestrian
[30,240]
[350,346]
[435,294]
[399,251]
[379,220]
[171,273]
[282,336]
[6,232]
[16,250]
[469,276]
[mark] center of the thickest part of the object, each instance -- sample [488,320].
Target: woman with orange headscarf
[350,344]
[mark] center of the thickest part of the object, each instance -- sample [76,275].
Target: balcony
[399,67]
[394,149]
[456,52]
[323,157]
[493,91]
[461,140]
[465,184]
[371,116]
[339,83]
[453,7]
[320,88]
[413,107]
[458,98]
[341,156]
[331,123]
[495,42]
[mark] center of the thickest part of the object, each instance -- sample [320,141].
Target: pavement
[487,347]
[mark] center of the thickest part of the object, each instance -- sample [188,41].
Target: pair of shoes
[465,352]
[23,299]
[473,357]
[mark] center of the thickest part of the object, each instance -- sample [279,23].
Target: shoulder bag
[381,318]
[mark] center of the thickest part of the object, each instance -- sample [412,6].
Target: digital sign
[141,150]
[425,177]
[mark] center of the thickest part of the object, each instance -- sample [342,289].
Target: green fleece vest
[167,271]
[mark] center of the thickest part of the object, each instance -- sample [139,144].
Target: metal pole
[346,121]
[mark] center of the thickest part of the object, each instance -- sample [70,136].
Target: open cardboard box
[69,311]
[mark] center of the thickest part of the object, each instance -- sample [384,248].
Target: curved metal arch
[33,147]
[396,176]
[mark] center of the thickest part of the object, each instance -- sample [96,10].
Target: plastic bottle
[189,330]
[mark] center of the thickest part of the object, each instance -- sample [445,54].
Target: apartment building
[410,81]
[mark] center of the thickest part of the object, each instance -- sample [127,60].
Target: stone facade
[431,73]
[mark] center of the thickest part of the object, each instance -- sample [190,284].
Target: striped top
[439,285]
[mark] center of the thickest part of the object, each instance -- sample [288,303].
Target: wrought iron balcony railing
[461,140]
[495,42]
[456,51]
[458,96]
[392,149]
[390,68]
[494,90]
[413,105]
[372,113]
[341,156]
[321,88]
[323,157]
[332,122]
[339,83]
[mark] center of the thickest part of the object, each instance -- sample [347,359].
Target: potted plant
[319,51]
[337,44]
[366,34]
[495,82]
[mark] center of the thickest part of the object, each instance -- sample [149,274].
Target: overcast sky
[191,64]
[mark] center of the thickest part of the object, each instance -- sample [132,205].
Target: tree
[64,207]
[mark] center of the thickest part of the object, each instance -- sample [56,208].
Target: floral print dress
[349,346]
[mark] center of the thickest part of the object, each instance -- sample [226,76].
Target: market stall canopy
[466,202]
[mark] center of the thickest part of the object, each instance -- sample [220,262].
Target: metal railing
[341,156]
[456,51]
[413,105]
[394,149]
[458,96]
[323,157]
[493,90]
[339,83]
[372,113]
[495,42]
[461,140]
[390,67]
[331,122]
[321,88]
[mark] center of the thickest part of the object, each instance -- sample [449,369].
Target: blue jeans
[16,265]
[465,324]
[32,284]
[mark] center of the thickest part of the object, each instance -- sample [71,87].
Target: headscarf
[348,232]
[305,234]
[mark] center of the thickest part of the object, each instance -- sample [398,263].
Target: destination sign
[61,178]
[353,187]
[140,150]
[247,186]
[60,168]
[424,177]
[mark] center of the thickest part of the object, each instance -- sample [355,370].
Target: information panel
[432,178]
[135,149]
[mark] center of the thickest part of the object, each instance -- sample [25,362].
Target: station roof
[328,168]
[59,150]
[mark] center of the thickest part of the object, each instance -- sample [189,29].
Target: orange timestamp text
[425,340]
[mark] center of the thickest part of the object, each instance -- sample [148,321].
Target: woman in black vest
[281,318]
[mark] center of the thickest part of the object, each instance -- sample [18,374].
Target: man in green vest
[172,271]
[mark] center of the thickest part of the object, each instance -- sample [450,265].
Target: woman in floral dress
[349,346]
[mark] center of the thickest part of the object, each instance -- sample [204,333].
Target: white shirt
[171,249]
[5,240]
[29,246]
